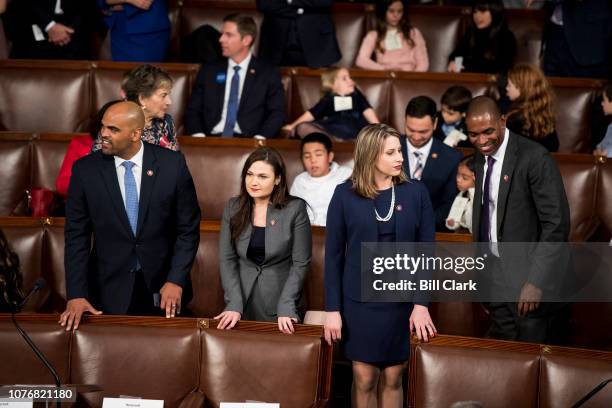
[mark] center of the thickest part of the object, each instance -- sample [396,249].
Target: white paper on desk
[131,403]
[6,403]
[248,405]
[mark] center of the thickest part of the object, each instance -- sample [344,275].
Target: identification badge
[7,403]
[220,78]
[342,103]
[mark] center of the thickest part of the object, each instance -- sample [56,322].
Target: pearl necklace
[390,213]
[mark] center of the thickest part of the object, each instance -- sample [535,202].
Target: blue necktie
[485,216]
[131,195]
[232,105]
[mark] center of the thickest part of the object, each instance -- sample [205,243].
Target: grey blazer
[288,252]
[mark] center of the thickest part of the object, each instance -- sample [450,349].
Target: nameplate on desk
[6,403]
[131,403]
[249,405]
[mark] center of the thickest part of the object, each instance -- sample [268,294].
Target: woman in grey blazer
[265,246]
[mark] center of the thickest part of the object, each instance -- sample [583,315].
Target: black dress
[378,333]
[515,123]
[486,55]
[344,124]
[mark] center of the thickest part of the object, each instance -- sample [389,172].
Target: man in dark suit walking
[138,203]
[242,97]
[428,159]
[519,198]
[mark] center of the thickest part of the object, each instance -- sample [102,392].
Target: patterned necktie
[131,195]
[418,170]
[232,105]
[485,216]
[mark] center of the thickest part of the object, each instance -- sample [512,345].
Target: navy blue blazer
[351,220]
[439,176]
[167,232]
[262,103]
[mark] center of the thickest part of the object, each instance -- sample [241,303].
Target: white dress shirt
[494,183]
[136,171]
[412,160]
[244,67]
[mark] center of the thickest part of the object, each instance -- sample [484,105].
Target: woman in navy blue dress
[378,204]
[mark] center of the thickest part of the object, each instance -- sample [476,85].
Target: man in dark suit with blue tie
[242,97]
[428,159]
[138,203]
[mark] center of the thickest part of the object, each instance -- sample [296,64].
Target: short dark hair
[607,90]
[468,161]
[245,24]
[317,137]
[421,106]
[144,80]
[457,98]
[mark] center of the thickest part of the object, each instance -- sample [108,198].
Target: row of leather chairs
[63,96]
[185,362]
[33,161]
[40,246]
[194,365]
[442,27]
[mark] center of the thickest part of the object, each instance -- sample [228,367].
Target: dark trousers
[142,299]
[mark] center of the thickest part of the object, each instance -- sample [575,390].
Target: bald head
[121,130]
[485,125]
[483,105]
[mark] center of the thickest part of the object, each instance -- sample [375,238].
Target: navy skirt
[376,332]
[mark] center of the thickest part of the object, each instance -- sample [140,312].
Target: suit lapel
[274,221]
[109,175]
[219,89]
[148,176]
[506,178]
[249,80]
[477,203]
[434,153]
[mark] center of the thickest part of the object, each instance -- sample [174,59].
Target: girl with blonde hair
[378,204]
[531,111]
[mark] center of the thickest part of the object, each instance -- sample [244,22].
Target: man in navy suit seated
[428,159]
[241,97]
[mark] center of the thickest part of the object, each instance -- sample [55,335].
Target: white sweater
[318,191]
[461,210]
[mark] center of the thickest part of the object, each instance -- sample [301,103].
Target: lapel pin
[399,207]
[149,173]
[434,155]
[272,221]
[252,71]
[506,178]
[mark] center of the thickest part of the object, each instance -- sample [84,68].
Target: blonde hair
[535,102]
[369,146]
[328,77]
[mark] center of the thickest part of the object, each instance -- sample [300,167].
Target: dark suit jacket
[314,28]
[439,176]
[262,103]
[167,234]
[351,220]
[588,29]
[281,276]
[531,207]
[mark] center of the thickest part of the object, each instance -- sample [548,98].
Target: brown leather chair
[527,26]
[49,96]
[15,169]
[48,151]
[207,289]
[350,21]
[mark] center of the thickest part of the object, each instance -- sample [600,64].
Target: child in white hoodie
[460,214]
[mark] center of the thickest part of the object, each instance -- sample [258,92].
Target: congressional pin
[272,221]
[399,207]
[220,78]
[149,173]
[506,178]
[252,71]
[434,155]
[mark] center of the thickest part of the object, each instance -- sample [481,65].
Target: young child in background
[341,112]
[460,214]
[395,44]
[604,148]
[316,185]
[451,127]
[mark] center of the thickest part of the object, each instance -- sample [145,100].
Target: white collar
[244,65]
[136,159]
[425,149]
[501,152]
